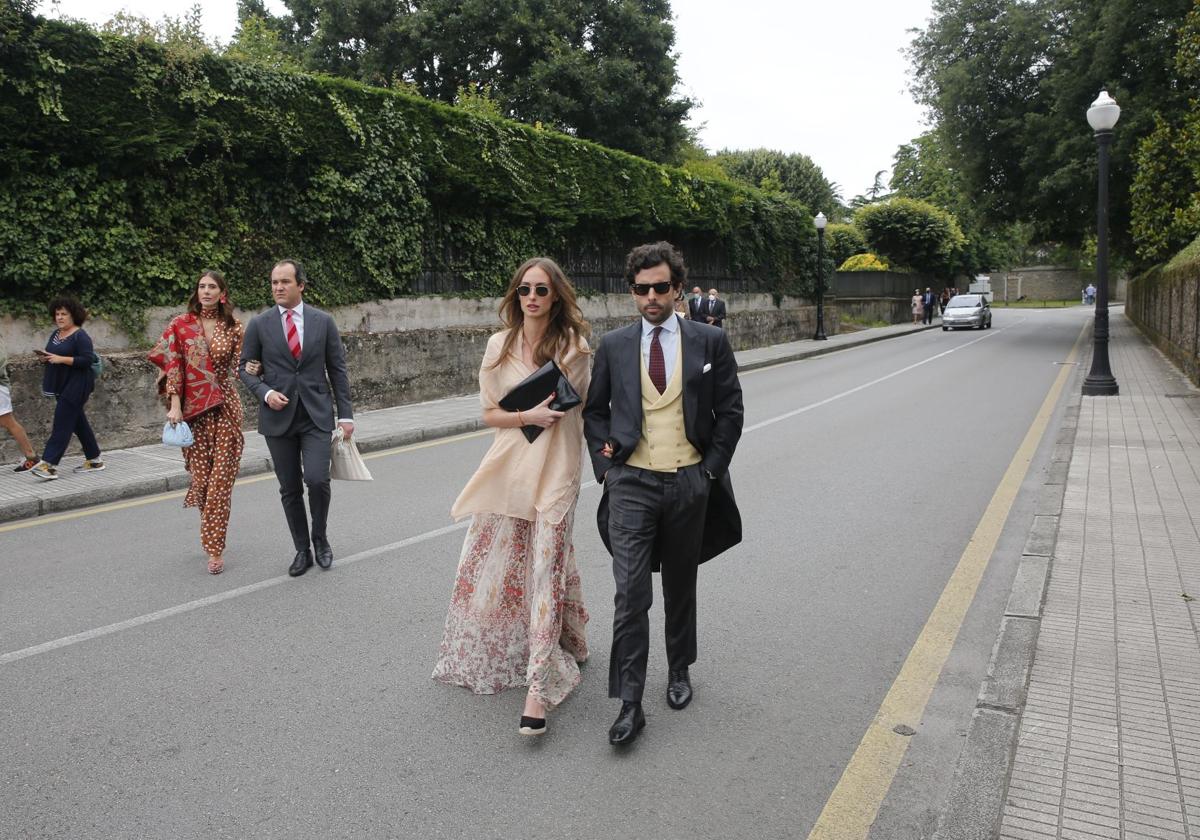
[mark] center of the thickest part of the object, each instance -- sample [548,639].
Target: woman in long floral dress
[198,357]
[516,614]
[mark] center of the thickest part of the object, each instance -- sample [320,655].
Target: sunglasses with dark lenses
[643,289]
[524,291]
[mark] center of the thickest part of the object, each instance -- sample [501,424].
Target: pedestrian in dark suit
[695,305]
[929,303]
[714,309]
[302,362]
[662,419]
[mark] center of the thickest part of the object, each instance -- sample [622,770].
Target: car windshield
[965,301]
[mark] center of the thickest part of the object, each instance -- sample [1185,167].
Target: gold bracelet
[520,422]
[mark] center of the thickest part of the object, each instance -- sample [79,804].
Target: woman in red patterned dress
[198,356]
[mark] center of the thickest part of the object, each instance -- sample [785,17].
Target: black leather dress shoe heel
[300,565]
[628,724]
[679,688]
[532,726]
[324,553]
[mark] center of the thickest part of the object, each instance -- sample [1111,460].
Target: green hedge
[126,167]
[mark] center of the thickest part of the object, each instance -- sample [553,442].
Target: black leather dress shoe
[679,688]
[301,563]
[324,553]
[628,724]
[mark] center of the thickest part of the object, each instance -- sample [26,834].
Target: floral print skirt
[516,613]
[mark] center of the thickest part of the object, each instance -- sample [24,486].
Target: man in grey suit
[302,360]
[662,419]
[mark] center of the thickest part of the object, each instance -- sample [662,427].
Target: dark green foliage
[126,168]
[924,170]
[599,69]
[793,175]
[912,234]
[1166,185]
[844,241]
[1008,83]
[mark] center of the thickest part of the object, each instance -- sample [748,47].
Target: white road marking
[108,629]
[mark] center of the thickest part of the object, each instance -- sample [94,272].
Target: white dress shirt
[668,339]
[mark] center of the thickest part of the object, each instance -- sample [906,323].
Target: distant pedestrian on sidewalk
[918,309]
[944,300]
[516,614]
[198,357]
[69,377]
[714,309]
[8,420]
[928,305]
[303,373]
[662,419]
[695,304]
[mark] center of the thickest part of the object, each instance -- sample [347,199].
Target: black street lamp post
[819,221]
[1100,382]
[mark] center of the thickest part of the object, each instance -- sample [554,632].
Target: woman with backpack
[69,377]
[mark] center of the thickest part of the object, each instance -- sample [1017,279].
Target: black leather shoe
[628,724]
[679,688]
[301,563]
[324,553]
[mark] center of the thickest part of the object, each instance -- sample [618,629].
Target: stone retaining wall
[1165,305]
[387,368]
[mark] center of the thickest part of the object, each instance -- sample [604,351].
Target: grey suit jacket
[320,369]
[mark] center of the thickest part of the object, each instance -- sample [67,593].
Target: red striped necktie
[658,366]
[293,337]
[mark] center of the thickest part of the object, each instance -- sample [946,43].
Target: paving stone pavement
[1109,741]
[145,470]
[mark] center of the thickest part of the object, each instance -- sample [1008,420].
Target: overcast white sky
[826,79]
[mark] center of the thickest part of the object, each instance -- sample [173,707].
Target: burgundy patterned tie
[658,368]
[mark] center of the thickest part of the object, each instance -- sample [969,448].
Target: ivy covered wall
[125,168]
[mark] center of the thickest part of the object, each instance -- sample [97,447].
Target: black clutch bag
[533,389]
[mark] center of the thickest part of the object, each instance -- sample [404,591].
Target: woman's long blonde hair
[566,327]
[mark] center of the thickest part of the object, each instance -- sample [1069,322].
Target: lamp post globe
[819,222]
[1102,117]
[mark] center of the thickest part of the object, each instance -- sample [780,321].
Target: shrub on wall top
[843,242]
[912,234]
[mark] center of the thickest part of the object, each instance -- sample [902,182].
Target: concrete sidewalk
[145,470]
[1105,707]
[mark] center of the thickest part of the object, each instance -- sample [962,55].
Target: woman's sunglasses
[643,289]
[524,291]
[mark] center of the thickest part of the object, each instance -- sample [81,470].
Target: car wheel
[944,328]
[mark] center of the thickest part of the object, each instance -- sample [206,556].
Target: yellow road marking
[179,494]
[854,803]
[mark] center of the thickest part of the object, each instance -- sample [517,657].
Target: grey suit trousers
[653,515]
[301,457]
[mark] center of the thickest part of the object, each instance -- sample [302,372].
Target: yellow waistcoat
[664,446]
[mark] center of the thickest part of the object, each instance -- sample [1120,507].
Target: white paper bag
[345,464]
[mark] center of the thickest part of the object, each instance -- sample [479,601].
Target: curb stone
[973,808]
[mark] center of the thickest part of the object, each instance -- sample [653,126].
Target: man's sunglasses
[524,291]
[643,289]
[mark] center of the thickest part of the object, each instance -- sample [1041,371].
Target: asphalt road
[303,708]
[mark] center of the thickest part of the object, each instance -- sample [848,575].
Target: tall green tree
[1008,82]
[794,175]
[604,70]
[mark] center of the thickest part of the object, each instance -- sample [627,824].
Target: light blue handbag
[178,434]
